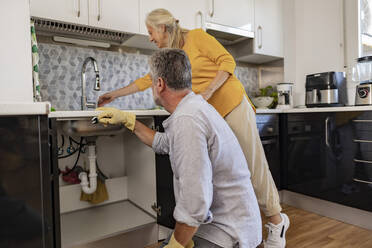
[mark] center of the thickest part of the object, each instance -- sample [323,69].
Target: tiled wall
[60,76]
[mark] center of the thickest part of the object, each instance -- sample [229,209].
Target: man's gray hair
[173,66]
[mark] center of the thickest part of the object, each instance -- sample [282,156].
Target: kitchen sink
[87,128]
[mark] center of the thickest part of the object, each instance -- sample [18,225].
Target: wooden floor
[308,230]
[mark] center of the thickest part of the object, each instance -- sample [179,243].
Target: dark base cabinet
[28,205]
[328,156]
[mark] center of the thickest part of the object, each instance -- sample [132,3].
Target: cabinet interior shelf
[92,224]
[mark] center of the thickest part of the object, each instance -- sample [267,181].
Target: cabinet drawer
[363,171]
[363,130]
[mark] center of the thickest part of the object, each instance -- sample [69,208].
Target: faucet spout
[97,86]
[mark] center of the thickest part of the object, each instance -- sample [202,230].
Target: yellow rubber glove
[116,117]
[174,244]
[190,244]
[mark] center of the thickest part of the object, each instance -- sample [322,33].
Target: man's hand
[116,117]
[106,98]
[174,244]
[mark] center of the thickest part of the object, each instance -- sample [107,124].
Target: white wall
[351,43]
[313,41]
[15,50]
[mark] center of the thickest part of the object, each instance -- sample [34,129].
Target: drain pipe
[89,187]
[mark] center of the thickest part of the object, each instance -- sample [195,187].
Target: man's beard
[157,100]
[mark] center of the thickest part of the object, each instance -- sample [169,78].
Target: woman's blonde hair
[159,17]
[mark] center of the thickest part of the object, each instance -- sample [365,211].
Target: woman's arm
[216,83]
[110,96]
[212,49]
[138,85]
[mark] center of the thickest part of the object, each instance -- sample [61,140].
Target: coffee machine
[326,89]
[285,97]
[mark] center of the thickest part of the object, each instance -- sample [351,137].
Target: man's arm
[145,134]
[183,233]
[193,175]
[115,116]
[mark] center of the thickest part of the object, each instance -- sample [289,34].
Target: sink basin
[87,128]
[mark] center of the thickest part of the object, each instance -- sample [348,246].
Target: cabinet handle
[99,10]
[211,14]
[326,131]
[300,138]
[268,142]
[156,208]
[365,121]
[362,141]
[78,12]
[259,34]
[199,13]
[362,161]
[362,181]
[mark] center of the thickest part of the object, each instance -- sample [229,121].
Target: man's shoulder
[193,108]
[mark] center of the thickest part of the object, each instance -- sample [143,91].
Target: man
[215,202]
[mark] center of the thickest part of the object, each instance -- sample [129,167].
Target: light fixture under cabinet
[81,42]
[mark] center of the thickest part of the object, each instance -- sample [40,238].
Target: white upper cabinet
[233,13]
[189,13]
[121,15]
[118,15]
[73,11]
[269,28]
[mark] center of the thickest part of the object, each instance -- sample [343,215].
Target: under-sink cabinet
[129,169]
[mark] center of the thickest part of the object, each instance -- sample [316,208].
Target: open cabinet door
[164,184]
[140,169]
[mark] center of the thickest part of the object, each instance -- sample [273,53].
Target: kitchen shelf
[84,226]
[70,195]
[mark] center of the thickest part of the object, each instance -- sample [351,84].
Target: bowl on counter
[262,101]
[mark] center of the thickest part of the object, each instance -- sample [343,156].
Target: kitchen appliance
[327,89]
[268,128]
[362,73]
[363,94]
[303,152]
[285,97]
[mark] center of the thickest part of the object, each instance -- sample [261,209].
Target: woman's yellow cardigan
[207,56]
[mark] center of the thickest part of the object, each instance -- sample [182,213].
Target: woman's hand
[110,96]
[216,83]
[106,98]
[206,94]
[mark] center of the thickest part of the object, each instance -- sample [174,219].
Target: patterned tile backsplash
[60,76]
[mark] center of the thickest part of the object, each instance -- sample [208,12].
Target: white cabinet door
[189,13]
[120,15]
[73,11]
[233,13]
[269,27]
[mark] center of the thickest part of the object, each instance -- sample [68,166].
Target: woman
[213,77]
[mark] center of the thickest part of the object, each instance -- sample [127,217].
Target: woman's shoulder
[196,32]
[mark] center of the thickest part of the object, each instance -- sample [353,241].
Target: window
[365,27]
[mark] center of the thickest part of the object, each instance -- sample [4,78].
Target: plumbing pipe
[89,187]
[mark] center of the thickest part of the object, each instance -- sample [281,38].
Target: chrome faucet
[84,103]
